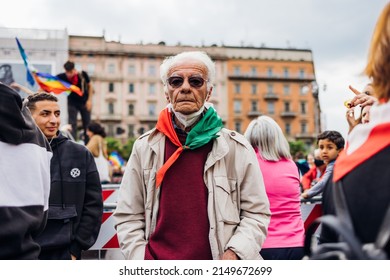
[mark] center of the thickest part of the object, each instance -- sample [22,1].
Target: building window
[152,88]
[254,88]
[286,73]
[91,68]
[271,107]
[303,107]
[288,128]
[130,131]
[237,88]
[152,70]
[301,73]
[254,105]
[131,88]
[286,89]
[110,108]
[111,68]
[237,126]
[152,108]
[303,128]
[253,71]
[131,70]
[131,110]
[270,72]
[287,106]
[237,106]
[110,87]
[237,70]
[270,88]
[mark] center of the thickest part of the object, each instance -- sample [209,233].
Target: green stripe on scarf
[203,132]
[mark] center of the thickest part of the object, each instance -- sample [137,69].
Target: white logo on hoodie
[75,172]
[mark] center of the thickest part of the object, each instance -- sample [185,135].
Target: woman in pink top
[281,178]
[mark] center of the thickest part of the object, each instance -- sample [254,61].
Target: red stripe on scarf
[377,140]
[164,125]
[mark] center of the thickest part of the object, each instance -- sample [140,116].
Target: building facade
[250,82]
[279,83]
[46,49]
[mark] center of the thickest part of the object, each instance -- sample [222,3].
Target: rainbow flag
[50,83]
[46,82]
[115,159]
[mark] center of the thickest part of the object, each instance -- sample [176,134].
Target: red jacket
[311,175]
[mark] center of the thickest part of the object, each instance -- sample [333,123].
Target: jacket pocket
[226,200]
[58,230]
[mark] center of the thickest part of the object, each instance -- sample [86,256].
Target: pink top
[281,179]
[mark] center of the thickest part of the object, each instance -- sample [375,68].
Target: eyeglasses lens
[195,82]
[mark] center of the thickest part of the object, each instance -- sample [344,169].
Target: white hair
[265,134]
[200,56]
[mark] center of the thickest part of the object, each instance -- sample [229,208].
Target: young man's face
[47,117]
[328,150]
[71,73]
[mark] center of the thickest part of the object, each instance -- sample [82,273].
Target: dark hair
[96,128]
[39,96]
[332,136]
[69,65]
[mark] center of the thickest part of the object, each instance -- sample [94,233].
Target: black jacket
[24,178]
[75,203]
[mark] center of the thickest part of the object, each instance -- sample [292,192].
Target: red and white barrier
[107,238]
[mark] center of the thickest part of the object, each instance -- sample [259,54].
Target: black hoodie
[75,204]
[24,178]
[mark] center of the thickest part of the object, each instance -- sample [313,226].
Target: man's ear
[167,97]
[209,94]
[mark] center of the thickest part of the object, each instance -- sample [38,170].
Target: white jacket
[238,207]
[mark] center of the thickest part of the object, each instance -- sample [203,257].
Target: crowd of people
[192,189]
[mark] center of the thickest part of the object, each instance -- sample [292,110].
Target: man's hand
[229,255]
[88,105]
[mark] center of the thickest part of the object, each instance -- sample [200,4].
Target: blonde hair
[378,67]
[265,134]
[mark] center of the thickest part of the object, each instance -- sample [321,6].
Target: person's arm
[88,104]
[92,212]
[17,86]
[254,213]
[129,214]
[319,187]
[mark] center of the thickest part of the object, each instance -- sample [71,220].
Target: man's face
[47,117]
[71,73]
[188,97]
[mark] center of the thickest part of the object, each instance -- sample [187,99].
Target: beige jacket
[238,207]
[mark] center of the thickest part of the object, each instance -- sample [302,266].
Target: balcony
[288,114]
[254,114]
[271,96]
[110,117]
[148,118]
[275,76]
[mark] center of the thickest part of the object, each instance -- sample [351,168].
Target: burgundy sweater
[182,227]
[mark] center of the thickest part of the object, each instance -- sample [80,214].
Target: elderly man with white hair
[192,189]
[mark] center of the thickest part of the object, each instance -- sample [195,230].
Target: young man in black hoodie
[25,178]
[75,202]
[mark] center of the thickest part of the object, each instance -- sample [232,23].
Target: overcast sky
[337,31]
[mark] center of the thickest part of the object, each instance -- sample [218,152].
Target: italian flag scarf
[201,134]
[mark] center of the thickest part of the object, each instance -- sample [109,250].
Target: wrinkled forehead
[188,67]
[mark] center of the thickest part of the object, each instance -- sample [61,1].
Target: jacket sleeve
[319,187]
[255,213]
[130,211]
[90,222]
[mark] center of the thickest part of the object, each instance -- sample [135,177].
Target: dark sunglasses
[177,81]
